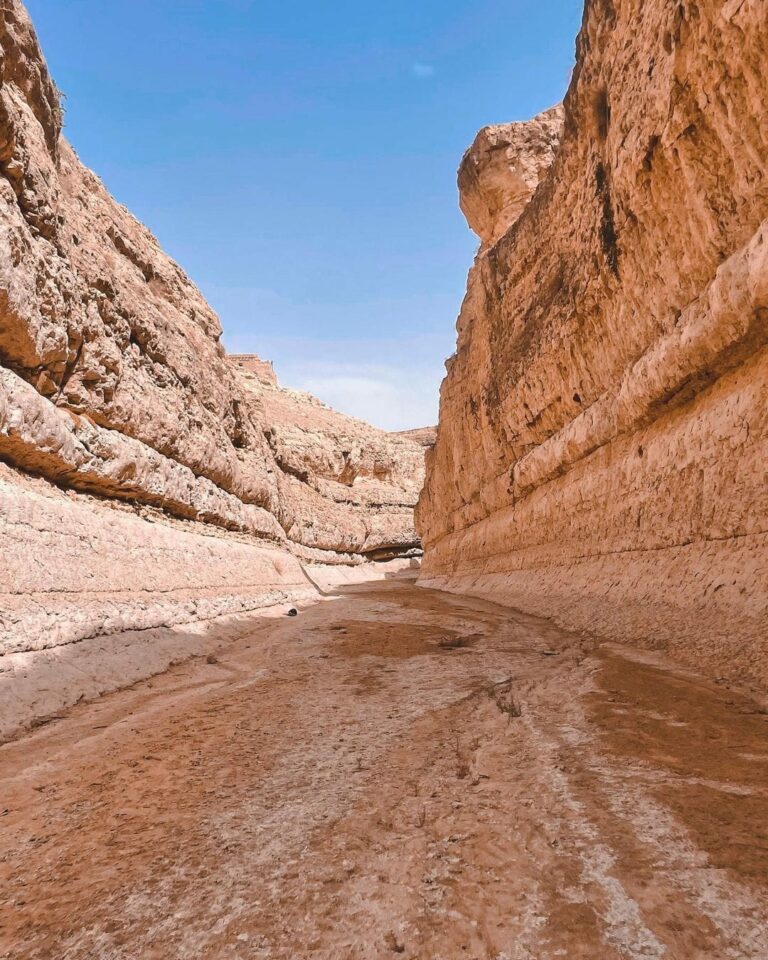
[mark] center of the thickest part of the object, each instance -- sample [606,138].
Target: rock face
[174,483]
[603,428]
[343,485]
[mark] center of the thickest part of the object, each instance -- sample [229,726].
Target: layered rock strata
[603,427]
[150,480]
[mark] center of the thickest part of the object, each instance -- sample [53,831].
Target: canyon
[275,683]
[148,480]
[603,435]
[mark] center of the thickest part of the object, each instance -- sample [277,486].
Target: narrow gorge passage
[395,772]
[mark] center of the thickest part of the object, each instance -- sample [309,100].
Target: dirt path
[396,772]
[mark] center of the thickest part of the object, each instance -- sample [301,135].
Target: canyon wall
[603,438]
[149,480]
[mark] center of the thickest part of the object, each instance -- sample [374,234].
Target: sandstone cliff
[603,428]
[149,480]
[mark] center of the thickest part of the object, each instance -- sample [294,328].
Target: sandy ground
[394,772]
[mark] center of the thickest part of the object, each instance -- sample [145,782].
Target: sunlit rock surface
[601,450]
[173,483]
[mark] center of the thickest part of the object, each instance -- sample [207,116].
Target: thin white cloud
[391,381]
[393,384]
[422,71]
[392,399]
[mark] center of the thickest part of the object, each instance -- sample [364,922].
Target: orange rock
[603,427]
[212,481]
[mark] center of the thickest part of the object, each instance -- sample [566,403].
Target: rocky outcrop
[603,427]
[501,170]
[425,436]
[263,370]
[173,483]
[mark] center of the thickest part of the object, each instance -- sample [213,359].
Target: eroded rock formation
[603,429]
[501,170]
[343,485]
[149,480]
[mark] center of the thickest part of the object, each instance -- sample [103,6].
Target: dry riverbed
[395,772]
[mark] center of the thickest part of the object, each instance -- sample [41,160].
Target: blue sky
[298,159]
